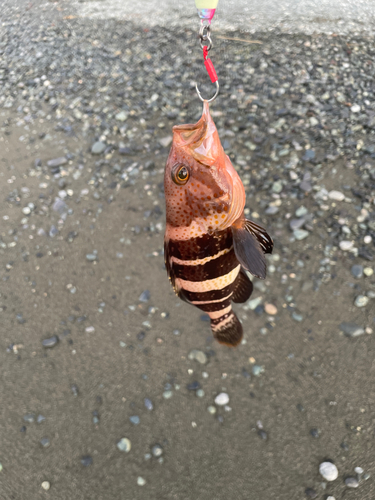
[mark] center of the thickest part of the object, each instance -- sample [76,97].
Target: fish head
[202,188]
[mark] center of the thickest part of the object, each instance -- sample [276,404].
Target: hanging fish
[209,245]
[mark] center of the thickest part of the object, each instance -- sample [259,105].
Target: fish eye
[180,175]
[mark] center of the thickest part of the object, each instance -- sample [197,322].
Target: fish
[209,245]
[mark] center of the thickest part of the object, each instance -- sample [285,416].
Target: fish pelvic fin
[228,331]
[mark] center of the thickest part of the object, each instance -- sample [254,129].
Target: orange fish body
[208,243]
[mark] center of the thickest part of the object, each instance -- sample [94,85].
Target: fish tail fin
[227,329]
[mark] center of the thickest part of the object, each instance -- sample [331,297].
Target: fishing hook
[212,98]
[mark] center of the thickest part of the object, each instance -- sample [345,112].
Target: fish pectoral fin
[261,235]
[244,288]
[230,333]
[249,251]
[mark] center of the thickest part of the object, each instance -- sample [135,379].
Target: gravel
[329,471]
[124,445]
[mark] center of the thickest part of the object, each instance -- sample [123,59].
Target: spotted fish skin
[208,243]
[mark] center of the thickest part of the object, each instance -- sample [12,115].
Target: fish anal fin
[230,334]
[248,251]
[244,288]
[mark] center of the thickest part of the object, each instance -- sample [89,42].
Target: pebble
[222,399]
[145,296]
[357,271]
[351,482]
[165,141]
[300,234]
[46,485]
[297,317]
[148,404]
[45,442]
[329,471]
[157,450]
[197,355]
[257,370]
[346,245]
[336,195]
[368,271]
[212,410]
[50,342]
[254,303]
[26,211]
[135,419]
[141,481]
[167,394]
[91,257]
[124,445]
[57,162]
[29,418]
[358,470]
[270,309]
[310,493]
[301,211]
[356,108]
[98,148]
[361,301]
[86,461]
[351,329]
[367,239]
[121,116]
[330,497]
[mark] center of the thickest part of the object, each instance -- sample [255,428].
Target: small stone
[262,434]
[300,234]
[297,316]
[367,239]
[330,498]
[336,195]
[346,245]
[40,419]
[359,470]
[301,211]
[46,485]
[141,481]
[356,108]
[157,450]
[315,433]
[134,419]
[271,210]
[310,493]
[86,460]
[148,404]
[257,370]
[26,211]
[98,148]
[51,342]
[351,482]
[121,116]
[254,303]
[165,141]
[91,257]
[357,271]
[368,271]
[329,471]
[197,355]
[277,187]
[57,162]
[270,309]
[351,329]
[124,445]
[45,442]
[145,296]
[212,410]
[193,386]
[361,301]
[200,393]
[29,418]
[167,394]
[222,399]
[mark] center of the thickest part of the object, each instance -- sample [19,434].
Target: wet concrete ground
[84,350]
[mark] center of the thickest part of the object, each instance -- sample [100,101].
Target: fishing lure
[209,244]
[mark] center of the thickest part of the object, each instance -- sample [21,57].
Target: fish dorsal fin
[248,250]
[244,288]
